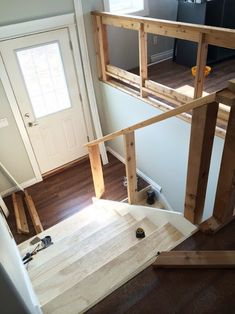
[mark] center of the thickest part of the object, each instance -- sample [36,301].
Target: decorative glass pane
[44,77]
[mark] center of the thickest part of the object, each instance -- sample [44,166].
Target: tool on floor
[45,243]
[19,208]
[150,197]
[140,234]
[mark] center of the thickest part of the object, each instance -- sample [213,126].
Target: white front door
[43,77]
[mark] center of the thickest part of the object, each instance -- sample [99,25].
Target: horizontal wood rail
[141,85]
[166,115]
[204,116]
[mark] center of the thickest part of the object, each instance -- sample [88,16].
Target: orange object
[207,71]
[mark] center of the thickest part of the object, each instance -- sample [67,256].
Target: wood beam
[143,60]
[217,36]
[161,117]
[97,171]
[123,23]
[226,97]
[103,46]
[123,75]
[195,259]
[33,213]
[201,63]
[225,194]
[167,92]
[97,45]
[212,225]
[21,220]
[130,161]
[201,143]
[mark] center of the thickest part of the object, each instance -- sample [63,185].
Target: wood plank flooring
[175,75]
[63,194]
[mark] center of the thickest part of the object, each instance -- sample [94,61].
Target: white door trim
[36,26]
[19,121]
[88,76]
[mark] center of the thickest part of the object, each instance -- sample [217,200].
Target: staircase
[95,251]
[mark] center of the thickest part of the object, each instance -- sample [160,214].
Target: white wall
[12,152]
[10,259]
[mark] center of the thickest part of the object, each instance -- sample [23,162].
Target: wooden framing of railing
[205,110]
[202,35]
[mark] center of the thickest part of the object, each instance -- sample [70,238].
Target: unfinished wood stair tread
[111,275]
[33,213]
[76,271]
[69,250]
[72,224]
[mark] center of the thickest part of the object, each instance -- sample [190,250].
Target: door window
[43,72]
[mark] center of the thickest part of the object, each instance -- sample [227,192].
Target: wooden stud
[201,63]
[17,215]
[123,75]
[97,46]
[161,117]
[103,45]
[217,36]
[195,259]
[96,168]
[167,92]
[201,143]
[130,161]
[212,225]
[226,97]
[225,195]
[143,60]
[123,23]
[33,213]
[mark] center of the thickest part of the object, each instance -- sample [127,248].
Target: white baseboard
[161,56]
[154,185]
[13,189]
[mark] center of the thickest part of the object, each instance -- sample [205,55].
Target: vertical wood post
[103,46]
[130,160]
[143,59]
[96,168]
[225,195]
[97,45]
[201,143]
[201,63]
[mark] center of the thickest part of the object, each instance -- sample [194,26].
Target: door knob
[31,124]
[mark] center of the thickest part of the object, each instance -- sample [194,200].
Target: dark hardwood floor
[177,291]
[61,195]
[175,75]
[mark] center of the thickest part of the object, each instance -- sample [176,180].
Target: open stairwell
[96,251]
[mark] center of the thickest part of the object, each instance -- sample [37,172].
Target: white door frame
[88,74]
[38,26]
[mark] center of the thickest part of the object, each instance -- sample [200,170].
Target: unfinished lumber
[130,161]
[161,117]
[201,143]
[212,225]
[226,97]
[96,168]
[103,45]
[225,194]
[201,63]
[143,60]
[21,220]
[195,259]
[97,46]
[33,213]
[125,76]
